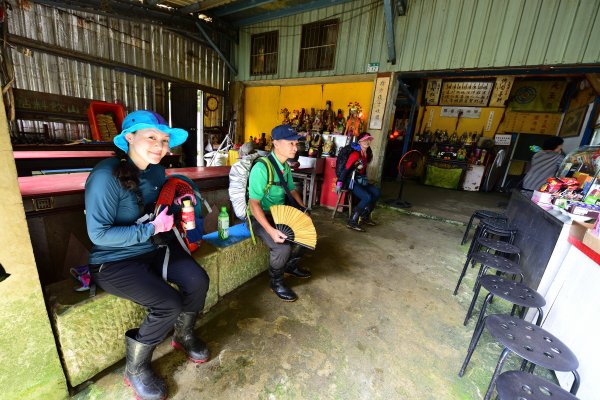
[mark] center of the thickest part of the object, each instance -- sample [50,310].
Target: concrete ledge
[90,331]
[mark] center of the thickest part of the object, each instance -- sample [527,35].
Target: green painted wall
[441,35]
[29,363]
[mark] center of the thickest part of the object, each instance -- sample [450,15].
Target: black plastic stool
[528,341]
[490,260]
[479,214]
[500,248]
[517,293]
[519,385]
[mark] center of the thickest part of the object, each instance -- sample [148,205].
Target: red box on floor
[328,194]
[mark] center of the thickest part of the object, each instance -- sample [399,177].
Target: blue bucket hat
[284,132]
[143,119]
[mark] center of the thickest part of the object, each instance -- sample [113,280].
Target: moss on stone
[28,352]
[240,263]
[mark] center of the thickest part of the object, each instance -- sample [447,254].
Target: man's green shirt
[258,182]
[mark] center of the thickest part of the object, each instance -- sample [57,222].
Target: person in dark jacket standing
[120,195]
[355,178]
[544,163]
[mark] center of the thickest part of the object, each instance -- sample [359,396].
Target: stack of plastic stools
[480,214]
[481,240]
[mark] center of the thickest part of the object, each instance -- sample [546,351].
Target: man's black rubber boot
[293,269]
[279,288]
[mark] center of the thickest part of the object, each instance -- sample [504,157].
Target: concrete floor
[376,321]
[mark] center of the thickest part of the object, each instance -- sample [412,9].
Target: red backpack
[177,186]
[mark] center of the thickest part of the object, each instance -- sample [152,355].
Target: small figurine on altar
[301,121]
[294,119]
[317,124]
[262,142]
[315,144]
[308,120]
[340,123]
[354,124]
[286,116]
[328,148]
[328,117]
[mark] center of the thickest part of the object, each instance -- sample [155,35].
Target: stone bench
[90,331]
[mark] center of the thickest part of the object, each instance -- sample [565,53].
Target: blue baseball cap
[143,119]
[284,132]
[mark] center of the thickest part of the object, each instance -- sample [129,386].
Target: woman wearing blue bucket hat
[120,195]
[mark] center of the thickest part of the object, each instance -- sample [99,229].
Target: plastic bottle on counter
[223,224]
[187,215]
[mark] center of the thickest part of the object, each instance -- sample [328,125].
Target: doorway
[184,115]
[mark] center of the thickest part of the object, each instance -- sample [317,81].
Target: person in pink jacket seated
[355,178]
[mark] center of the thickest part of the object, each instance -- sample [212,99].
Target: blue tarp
[237,233]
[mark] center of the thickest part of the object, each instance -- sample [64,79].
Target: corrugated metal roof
[442,35]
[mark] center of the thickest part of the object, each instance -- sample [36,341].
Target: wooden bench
[90,331]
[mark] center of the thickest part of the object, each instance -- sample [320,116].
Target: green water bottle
[223,224]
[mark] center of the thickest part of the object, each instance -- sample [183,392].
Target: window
[263,58]
[317,50]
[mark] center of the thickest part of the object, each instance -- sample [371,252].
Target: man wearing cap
[283,257]
[120,192]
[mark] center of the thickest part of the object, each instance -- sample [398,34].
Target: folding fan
[296,225]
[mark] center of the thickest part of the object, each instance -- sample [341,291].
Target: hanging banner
[432,93]
[379,100]
[538,96]
[501,91]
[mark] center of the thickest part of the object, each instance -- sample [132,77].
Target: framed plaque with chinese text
[466,93]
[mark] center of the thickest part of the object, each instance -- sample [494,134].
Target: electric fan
[296,225]
[410,166]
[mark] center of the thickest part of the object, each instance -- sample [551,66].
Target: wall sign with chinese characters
[466,93]
[501,90]
[432,93]
[379,100]
[465,112]
[545,123]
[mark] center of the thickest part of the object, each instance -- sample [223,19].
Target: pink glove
[163,222]
[180,199]
[338,187]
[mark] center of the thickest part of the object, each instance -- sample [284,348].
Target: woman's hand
[277,236]
[163,222]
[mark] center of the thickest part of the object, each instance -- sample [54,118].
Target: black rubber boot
[185,340]
[292,268]
[279,288]
[365,218]
[138,371]
[353,222]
